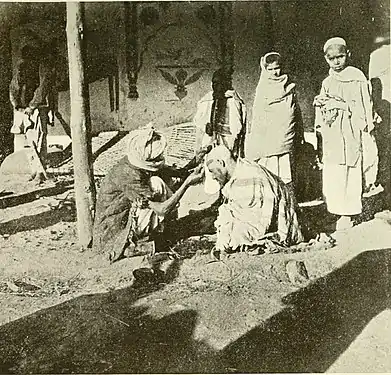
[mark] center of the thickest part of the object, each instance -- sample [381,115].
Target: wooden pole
[132,47]
[227,43]
[6,139]
[80,124]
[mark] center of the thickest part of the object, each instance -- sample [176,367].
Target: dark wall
[182,33]
[299,30]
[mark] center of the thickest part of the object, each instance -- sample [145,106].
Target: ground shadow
[371,206]
[320,321]
[42,220]
[382,135]
[196,223]
[102,333]
[316,219]
[108,333]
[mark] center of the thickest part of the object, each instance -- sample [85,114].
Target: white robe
[342,141]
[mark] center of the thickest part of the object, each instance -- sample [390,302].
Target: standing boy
[343,115]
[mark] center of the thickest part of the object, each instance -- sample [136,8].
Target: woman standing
[276,125]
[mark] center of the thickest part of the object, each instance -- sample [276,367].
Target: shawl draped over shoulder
[256,203]
[274,117]
[343,111]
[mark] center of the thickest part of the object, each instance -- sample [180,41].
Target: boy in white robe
[343,115]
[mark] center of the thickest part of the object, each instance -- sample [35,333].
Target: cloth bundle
[329,106]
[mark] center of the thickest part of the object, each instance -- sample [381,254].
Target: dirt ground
[69,311]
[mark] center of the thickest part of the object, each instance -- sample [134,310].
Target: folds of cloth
[142,225]
[256,203]
[273,120]
[123,217]
[34,127]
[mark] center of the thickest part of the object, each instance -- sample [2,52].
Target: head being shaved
[218,153]
[218,165]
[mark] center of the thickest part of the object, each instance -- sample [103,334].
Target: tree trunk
[6,138]
[80,124]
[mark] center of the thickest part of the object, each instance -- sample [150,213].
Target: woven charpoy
[181,143]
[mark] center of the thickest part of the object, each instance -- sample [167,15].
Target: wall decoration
[180,79]
[184,69]
[132,47]
[137,18]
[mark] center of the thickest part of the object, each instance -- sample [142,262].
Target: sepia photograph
[195,187]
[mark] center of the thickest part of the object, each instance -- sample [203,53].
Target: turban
[332,42]
[146,148]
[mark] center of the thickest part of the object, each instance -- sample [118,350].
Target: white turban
[334,41]
[145,148]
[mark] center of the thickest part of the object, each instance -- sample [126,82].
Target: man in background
[221,118]
[379,74]
[31,98]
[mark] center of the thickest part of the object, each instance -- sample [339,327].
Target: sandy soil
[67,311]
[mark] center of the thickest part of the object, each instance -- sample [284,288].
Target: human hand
[29,111]
[200,154]
[334,104]
[196,176]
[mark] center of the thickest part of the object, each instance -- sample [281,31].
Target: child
[343,114]
[276,120]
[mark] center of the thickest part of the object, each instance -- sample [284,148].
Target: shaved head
[336,56]
[336,48]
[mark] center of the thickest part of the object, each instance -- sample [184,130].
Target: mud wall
[178,45]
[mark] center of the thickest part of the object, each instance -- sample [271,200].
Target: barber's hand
[200,154]
[196,176]
[153,205]
[29,111]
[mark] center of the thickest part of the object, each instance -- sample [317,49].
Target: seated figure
[133,200]
[256,203]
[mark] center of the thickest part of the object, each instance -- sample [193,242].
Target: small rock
[296,271]
[384,215]
[13,287]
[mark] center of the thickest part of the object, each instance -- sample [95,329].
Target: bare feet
[344,222]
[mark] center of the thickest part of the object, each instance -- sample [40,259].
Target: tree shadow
[109,333]
[319,322]
[103,333]
[39,221]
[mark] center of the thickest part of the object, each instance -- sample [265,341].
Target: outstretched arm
[163,208]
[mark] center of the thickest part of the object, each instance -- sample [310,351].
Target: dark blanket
[123,188]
